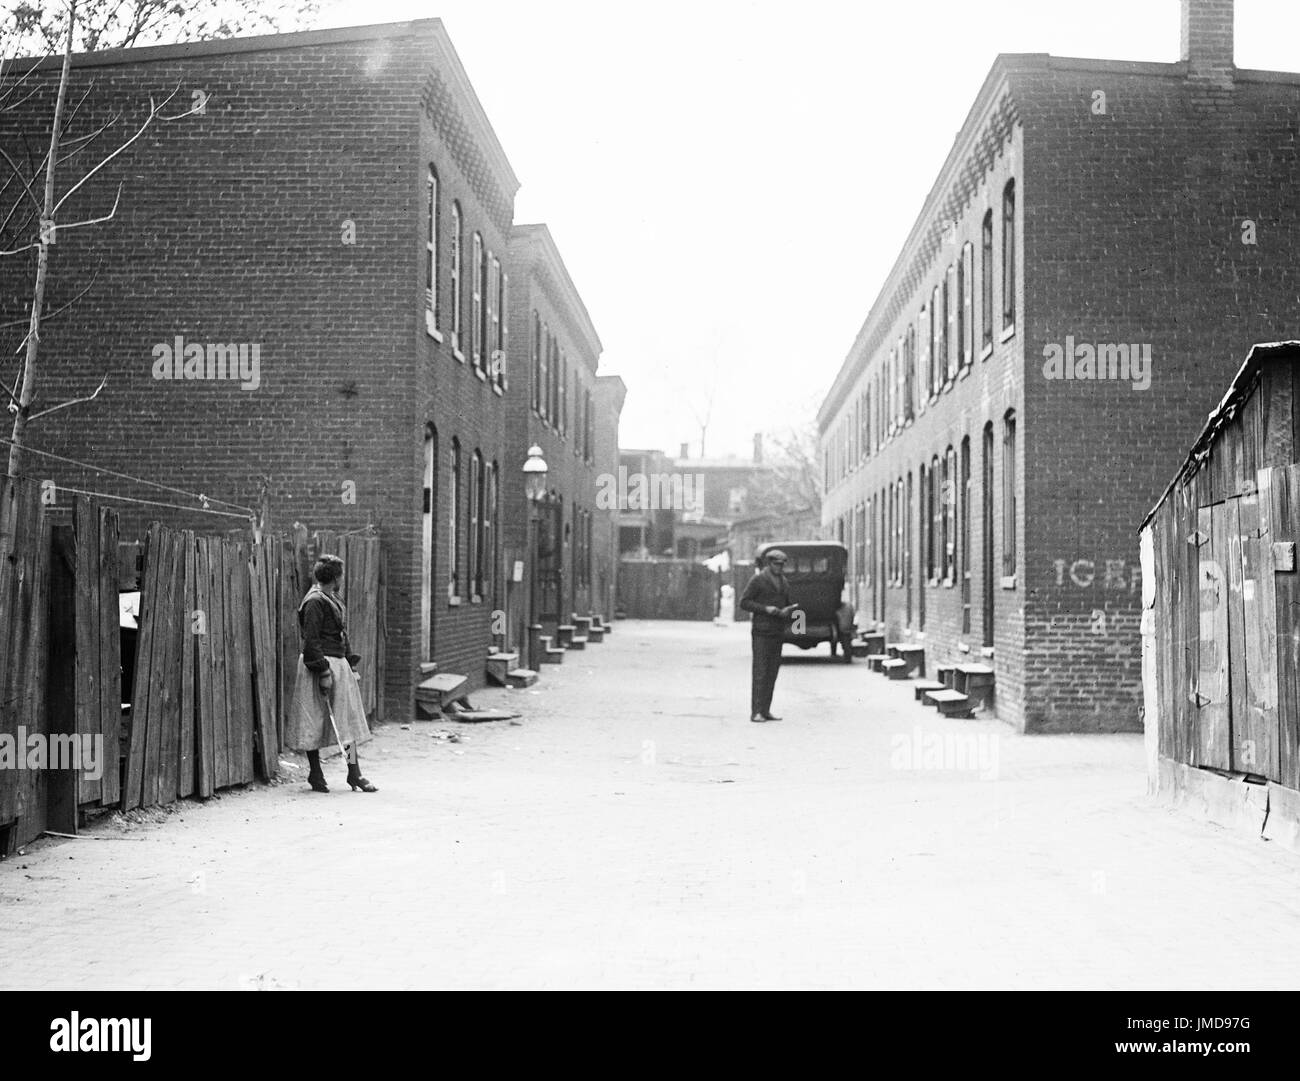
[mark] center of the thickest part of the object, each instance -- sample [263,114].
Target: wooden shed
[1221,609]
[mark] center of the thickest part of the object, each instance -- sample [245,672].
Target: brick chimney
[1206,42]
[758,448]
[686,451]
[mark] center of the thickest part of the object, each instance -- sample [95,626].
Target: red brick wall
[229,230]
[1133,233]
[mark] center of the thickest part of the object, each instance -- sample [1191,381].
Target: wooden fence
[24,669]
[216,649]
[667,589]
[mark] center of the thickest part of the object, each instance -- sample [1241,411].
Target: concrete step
[564,634]
[975,681]
[914,656]
[595,634]
[875,660]
[894,668]
[499,666]
[583,623]
[428,668]
[521,677]
[579,641]
[943,673]
[859,648]
[951,703]
[923,685]
[553,655]
[434,694]
[875,641]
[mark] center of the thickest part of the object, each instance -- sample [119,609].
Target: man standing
[768,597]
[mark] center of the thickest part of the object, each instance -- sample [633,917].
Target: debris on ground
[442,735]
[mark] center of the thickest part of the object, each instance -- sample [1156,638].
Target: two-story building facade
[1101,234]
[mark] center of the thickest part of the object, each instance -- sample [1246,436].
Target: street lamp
[535,471]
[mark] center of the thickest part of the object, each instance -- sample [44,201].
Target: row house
[1101,235]
[337,209]
[562,406]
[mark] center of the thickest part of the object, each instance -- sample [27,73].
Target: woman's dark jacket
[322,620]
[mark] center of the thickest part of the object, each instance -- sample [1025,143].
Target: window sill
[458,355]
[431,325]
[497,390]
[987,351]
[966,369]
[480,374]
[962,647]
[986,651]
[476,599]
[1008,333]
[453,601]
[948,583]
[1008,581]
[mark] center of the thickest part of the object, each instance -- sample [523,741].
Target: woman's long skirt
[308,726]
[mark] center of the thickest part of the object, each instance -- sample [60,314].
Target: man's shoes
[757,718]
[769,717]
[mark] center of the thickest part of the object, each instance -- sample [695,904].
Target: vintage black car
[815,572]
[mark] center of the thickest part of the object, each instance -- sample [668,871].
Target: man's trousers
[767,662]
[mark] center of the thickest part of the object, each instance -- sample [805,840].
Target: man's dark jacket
[766,590]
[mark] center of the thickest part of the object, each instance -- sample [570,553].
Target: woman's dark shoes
[316,775]
[356,781]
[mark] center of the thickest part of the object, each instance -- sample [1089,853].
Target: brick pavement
[634,830]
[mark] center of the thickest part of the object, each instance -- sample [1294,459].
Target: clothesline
[204,499]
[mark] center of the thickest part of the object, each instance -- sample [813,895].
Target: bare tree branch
[74,401]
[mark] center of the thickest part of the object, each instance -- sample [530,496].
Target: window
[552,379]
[927,533]
[456,279]
[898,530]
[867,422]
[503,320]
[986,281]
[944,361]
[936,332]
[476,524]
[963,517]
[490,511]
[966,318]
[563,413]
[453,523]
[1009,255]
[476,303]
[431,247]
[544,378]
[537,363]
[909,352]
[909,379]
[954,305]
[949,516]
[487,311]
[936,521]
[1009,494]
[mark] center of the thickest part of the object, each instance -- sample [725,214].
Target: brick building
[559,403]
[1101,235]
[342,208]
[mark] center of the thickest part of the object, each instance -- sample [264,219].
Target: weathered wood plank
[266,736]
[1212,675]
[1227,553]
[205,705]
[217,626]
[239,679]
[1284,521]
[164,736]
[144,691]
[186,772]
[33,605]
[62,698]
[1258,673]
[110,654]
[85,519]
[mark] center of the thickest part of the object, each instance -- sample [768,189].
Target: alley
[634,830]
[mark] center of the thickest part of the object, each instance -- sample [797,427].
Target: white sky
[729,181]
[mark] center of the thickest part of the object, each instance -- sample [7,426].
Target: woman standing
[327,680]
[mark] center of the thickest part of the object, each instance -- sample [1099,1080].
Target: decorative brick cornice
[986,134]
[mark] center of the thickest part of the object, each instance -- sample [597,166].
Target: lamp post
[535,471]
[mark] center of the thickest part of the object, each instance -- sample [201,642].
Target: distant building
[1102,235]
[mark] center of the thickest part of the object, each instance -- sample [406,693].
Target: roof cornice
[534,249]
